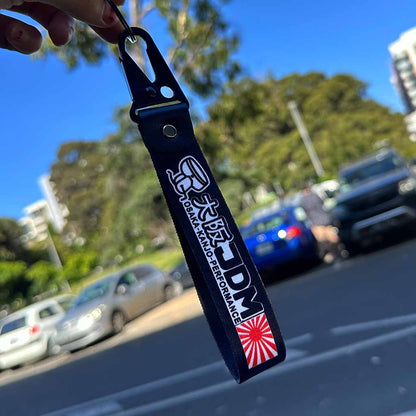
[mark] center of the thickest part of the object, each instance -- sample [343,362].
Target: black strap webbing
[228,284]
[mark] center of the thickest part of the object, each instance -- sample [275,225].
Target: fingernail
[109,16]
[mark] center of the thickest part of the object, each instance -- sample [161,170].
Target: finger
[61,28]
[18,36]
[94,12]
[58,23]
[110,34]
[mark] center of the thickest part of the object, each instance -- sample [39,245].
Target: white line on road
[144,388]
[301,339]
[284,368]
[107,405]
[409,413]
[379,323]
[103,410]
[174,379]
[292,354]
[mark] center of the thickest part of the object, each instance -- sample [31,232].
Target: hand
[57,16]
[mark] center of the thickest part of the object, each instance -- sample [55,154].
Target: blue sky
[42,104]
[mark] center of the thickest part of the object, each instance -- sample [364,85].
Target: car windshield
[95,291]
[264,225]
[376,167]
[13,325]
[65,303]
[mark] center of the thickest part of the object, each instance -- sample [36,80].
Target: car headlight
[88,320]
[282,234]
[407,185]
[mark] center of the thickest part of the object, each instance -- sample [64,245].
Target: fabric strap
[227,282]
[229,287]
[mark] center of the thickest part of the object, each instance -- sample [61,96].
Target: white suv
[25,335]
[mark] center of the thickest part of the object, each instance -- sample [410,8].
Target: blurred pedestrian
[57,17]
[329,245]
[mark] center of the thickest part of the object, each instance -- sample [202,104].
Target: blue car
[279,238]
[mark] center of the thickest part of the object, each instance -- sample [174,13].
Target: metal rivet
[170,131]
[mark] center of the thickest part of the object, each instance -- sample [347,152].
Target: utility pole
[297,118]
[56,260]
[53,253]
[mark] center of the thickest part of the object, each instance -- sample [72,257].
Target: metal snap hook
[123,21]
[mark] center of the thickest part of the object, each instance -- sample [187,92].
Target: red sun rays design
[257,340]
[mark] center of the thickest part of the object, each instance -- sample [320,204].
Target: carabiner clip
[122,20]
[145,93]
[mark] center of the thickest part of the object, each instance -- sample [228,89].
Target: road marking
[283,368]
[174,379]
[379,323]
[102,410]
[292,354]
[144,388]
[299,340]
[83,409]
[409,413]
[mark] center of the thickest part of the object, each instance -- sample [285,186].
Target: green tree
[108,186]
[80,180]
[44,276]
[11,247]
[249,139]
[13,283]
[250,130]
[79,265]
[15,259]
[201,42]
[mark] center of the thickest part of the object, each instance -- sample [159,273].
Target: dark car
[377,195]
[182,274]
[279,237]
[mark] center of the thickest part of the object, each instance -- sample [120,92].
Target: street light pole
[297,118]
[56,260]
[53,253]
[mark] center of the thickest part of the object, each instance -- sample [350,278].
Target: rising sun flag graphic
[257,340]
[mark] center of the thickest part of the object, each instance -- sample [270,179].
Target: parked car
[103,307]
[377,195]
[182,274]
[26,335]
[327,191]
[280,237]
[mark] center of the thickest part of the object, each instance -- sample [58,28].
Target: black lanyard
[227,282]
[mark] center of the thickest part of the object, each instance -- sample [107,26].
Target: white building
[403,53]
[58,211]
[42,213]
[35,223]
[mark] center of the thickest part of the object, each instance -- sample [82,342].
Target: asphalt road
[351,337]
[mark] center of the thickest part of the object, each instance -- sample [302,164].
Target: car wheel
[352,249]
[52,349]
[117,322]
[170,292]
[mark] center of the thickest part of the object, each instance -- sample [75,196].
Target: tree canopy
[110,187]
[116,206]
[201,43]
[250,128]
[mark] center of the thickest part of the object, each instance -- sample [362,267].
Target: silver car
[103,307]
[26,335]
